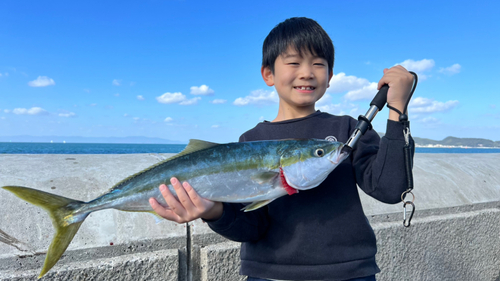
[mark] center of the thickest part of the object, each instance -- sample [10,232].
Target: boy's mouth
[306,88]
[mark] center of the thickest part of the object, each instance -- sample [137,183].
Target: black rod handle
[380,98]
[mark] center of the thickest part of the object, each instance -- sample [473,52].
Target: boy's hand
[400,82]
[189,207]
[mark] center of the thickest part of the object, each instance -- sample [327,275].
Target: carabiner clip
[406,222]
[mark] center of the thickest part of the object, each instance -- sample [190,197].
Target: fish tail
[64,219]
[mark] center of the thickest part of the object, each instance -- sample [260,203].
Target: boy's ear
[267,75]
[330,78]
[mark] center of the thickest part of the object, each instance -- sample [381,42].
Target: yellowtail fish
[248,172]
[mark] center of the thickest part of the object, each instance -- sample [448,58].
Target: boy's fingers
[193,195]
[182,195]
[172,201]
[163,212]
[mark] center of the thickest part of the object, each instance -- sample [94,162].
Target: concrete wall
[455,234]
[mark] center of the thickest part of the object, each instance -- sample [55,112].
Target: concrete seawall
[455,234]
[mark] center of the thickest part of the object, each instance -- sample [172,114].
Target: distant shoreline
[454,146]
[416,145]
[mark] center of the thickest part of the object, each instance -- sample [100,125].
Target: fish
[254,173]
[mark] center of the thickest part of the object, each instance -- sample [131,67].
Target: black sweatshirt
[321,233]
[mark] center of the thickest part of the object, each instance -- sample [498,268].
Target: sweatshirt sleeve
[379,164]
[240,226]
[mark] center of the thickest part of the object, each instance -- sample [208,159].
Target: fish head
[308,163]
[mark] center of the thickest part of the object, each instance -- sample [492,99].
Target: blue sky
[191,69]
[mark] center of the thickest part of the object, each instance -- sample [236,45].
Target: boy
[322,233]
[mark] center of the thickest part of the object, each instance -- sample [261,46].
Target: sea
[120,148]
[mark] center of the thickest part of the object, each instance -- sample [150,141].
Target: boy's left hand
[400,82]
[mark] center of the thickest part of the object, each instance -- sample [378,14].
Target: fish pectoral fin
[264,177]
[256,205]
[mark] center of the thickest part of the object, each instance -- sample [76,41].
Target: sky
[191,69]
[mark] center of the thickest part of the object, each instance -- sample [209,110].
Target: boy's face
[300,80]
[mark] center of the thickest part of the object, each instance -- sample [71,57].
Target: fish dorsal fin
[193,146]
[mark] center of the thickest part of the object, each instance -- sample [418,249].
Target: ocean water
[120,148]
[86,148]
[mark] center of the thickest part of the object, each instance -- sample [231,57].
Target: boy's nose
[306,73]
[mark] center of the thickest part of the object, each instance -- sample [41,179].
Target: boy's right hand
[189,207]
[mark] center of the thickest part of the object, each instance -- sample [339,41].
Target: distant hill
[453,141]
[60,139]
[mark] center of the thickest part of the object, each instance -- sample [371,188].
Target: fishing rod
[364,124]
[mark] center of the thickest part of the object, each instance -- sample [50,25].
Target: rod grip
[380,98]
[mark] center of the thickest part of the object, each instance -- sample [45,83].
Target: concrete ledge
[221,262]
[157,265]
[451,246]
[439,245]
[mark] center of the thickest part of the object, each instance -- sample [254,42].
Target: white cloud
[171,98]
[3,118]
[332,108]
[67,114]
[258,97]
[337,109]
[42,81]
[168,119]
[190,101]
[31,111]
[177,98]
[367,92]
[425,105]
[218,101]
[325,105]
[341,83]
[454,69]
[324,100]
[356,88]
[93,104]
[140,97]
[418,66]
[261,118]
[86,90]
[215,126]
[125,115]
[116,82]
[203,90]
[117,95]
[6,110]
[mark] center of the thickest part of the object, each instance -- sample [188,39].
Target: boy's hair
[301,34]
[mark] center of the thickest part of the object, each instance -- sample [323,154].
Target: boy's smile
[300,80]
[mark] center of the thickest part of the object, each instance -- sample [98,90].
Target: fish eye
[319,152]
